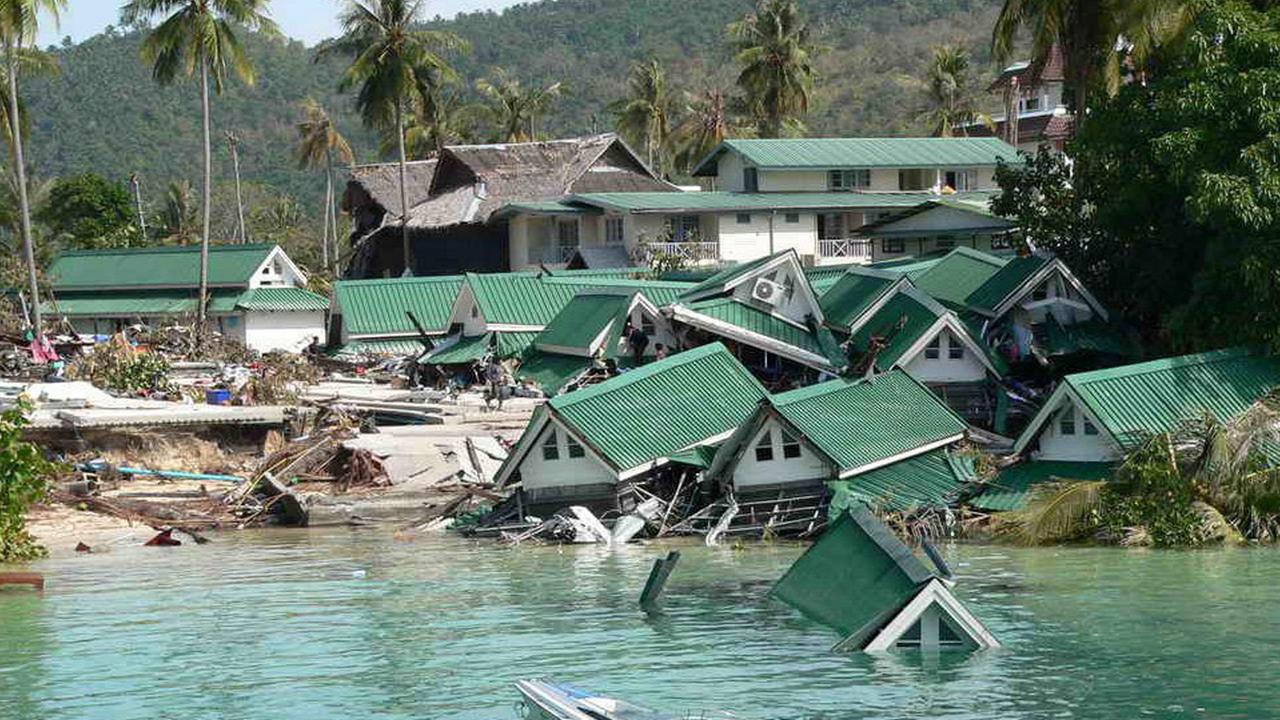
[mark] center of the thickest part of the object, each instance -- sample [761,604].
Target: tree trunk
[328,206]
[137,199]
[235,165]
[202,319]
[333,223]
[404,194]
[28,246]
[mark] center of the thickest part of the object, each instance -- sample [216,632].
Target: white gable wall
[1078,445]
[796,307]
[750,473]
[277,271]
[538,473]
[967,368]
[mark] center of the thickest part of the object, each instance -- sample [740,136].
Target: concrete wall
[539,474]
[750,473]
[287,331]
[747,241]
[967,368]
[1079,446]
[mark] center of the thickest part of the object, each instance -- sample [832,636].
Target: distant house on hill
[453,202]
[1033,97]
[256,293]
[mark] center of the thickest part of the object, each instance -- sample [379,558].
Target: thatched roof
[473,181]
[381,182]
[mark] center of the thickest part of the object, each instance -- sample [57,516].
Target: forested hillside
[105,114]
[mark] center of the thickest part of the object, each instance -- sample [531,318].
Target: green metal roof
[718,281]
[933,479]
[1154,397]
[957,274]
[531,299]
[818,341]
[856,423]
[551,371]
[997,288]
[663,407]
[855,578]
[973,203]
[1012,486]
[853,294]
[582,320]
[901,321]
[282,299]
[377,307]
[156,267]
[514,344]
[465,350]
[702,456]
[825,153]
[377,348]
[727,202]
[1095,336]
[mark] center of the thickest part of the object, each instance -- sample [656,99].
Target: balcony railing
[852,249]
[694,251]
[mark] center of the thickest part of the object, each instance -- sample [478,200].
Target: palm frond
[1055,512]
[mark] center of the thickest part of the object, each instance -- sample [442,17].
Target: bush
[24,476]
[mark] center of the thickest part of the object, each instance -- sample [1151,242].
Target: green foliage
[646,116]
[23,481]
[950,92]
[120,368]
[511,109]
[775,53]
[88,211]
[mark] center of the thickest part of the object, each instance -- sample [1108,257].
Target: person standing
[639,342]
[493,375]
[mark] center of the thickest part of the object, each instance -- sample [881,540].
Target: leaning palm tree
[949,89]
[775,52]
[19,24]
[318,143]
[388,53]
[511,108]
[709,120]
[197,38]
[646,115]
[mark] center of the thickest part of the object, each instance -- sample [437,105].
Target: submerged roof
[1012,487]
[661,408]
[1134,401]
[156,267]
[866,423]
[378,307]
[824,153]
[932,479]
[817,341]
[856,577]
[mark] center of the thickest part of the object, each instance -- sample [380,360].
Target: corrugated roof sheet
[530,299]
[818,341]
[823,153]
[282,299]
[663,407]
[853,294]
[1096,336]
[928,480]
[514,344]
[155,267]
[1154,397]
[465,350]
[1012,486]
[859,422]
[583,319]
[901,322]
[725,202]
[957,274]
[377,307]
[140,303]
[551,371]
[717,281]
[991,293]
[377,348]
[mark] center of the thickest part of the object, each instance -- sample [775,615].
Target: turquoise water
[357,624]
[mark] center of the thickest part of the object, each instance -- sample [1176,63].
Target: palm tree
[710,119]
[178,218]
[19,23]
[511,108]
[646,115]
[775,53]
[389,53]
[318,142]
[952,105]
[198,38]
[440,117]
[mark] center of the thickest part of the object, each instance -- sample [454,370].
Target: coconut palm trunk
[404,192]
[202,320]
[332,210]
[24,203]
[328,206]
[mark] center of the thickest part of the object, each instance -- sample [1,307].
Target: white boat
[549,700]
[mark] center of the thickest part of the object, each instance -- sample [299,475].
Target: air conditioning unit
[768,291]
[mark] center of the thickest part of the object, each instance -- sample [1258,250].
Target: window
[916,179]
[683,228]
[945,243]
[831,226]
[933,350]
[567,235]
[550,450]
[575,448]
[893,246]
[750,180]
[475,311]
[790,446]
[859,179]
[792,218]
[1090,428]
[955,351]
[613,231]
[744,218]
[960,180]
[1067,424]
[764,448]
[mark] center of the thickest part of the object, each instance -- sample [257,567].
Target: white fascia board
[493,327]
[789,257]
[879,304]
[934,593]
[907,455]
[1056,265]
[947,322]
[288,261]
[756,340]
[561,350]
